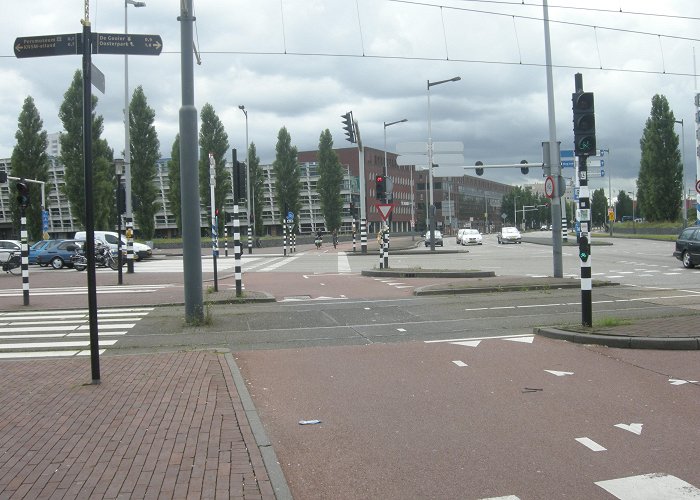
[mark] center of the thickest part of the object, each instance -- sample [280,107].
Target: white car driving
[471,237]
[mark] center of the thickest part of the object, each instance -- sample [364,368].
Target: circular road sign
[549,187]
[697,186]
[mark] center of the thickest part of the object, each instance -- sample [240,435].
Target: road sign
[549,186]
[697,186]
[126,43]
[290,216]
[384,210]
[48,45]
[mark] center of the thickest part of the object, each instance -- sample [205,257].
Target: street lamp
[247,170]
[634,217]
[430,158]
[127,140]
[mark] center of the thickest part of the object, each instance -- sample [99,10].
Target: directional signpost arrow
[129,44]
[48,45]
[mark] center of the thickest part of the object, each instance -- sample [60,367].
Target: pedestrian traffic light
[22,193]
[381,187]
[479,171]
[584,248]
[349,127]
[524,170]
[584,123]
[121,198]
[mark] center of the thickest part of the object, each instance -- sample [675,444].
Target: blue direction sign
[126,43]
[48,45]
[567,158]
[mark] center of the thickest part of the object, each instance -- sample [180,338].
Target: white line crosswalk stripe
[62,333]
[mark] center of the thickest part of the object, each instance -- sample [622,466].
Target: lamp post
[129,216]
[685,205]
[634,222]
[430,159]
[247,178]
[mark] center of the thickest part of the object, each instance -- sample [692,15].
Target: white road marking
[589,443]
[468,343]
[277,264]
[460,363]
[559,374]
[401,329]
[479,338]
[650,487]
[524,340]
[343,263]
[678,381]
[633,428]
[507,497]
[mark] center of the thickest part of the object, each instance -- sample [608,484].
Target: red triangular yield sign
[384,210]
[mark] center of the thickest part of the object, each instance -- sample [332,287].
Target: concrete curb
[622,341]
[427,273]
[274,470]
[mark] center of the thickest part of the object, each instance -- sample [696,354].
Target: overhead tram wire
[539,19]
[586,9]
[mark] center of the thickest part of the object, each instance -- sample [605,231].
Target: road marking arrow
[634,428]
[469,343]
[677,381]
[559,374]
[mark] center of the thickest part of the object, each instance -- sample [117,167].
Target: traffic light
[121,198]
[584,123]
[524,170]
[352,209]
[381,187]
[22,193]
[479,171]
[3,177]
[349,127]
[584,248]
[239,178]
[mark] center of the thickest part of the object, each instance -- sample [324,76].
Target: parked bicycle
[13,264]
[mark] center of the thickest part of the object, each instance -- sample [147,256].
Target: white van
[141,251]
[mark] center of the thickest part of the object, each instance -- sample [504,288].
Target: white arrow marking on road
[634,428]
[460,363]
[524,340]
[678,381]
[589,443]
[559,374]
[470,343]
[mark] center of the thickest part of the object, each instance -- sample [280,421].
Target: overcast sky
[303,63]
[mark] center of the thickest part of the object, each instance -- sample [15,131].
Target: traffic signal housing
[479,171]
[584,248]
[349,127]
[121,198]
[22,193]
[381,187]
[584,123]
[239,178]
[524,170]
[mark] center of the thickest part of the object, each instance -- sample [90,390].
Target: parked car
[509,235]
[471,237]
[688,247]
[141,251]
[38,247]
[438,238]
[8,247]
[58,256]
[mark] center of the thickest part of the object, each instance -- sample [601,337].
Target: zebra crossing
[62,333]
[82,290]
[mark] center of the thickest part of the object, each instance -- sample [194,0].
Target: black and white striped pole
[25,256]
[237,250]
[584,146]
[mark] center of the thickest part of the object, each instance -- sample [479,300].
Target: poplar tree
[660,181]
[30,161]
[330,182]
[174,191]
[145,152]
[287,177]
[213,139]
[104,183]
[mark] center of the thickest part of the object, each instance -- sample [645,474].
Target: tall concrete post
[189,174]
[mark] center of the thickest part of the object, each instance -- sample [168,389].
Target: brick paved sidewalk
[158,426]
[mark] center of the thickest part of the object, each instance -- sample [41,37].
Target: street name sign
[48,45]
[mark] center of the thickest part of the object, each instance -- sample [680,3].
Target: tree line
[31,161]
